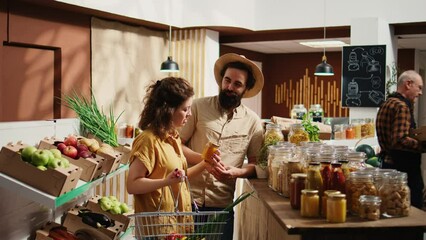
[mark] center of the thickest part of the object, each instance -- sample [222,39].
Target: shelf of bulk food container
[352,143]
[48,200]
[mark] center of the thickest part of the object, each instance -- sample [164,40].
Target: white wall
[260,14]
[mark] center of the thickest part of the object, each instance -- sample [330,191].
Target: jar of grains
[359,183]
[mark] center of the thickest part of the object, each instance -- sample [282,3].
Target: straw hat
[232,57]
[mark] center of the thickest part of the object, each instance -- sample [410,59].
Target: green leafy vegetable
[212,223]
[311,129]
[92,119]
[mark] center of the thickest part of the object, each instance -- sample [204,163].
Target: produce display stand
[49,200]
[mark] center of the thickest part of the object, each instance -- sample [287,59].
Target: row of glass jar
[358,128]
[316,113]
[392,199]
[296,135]
[326,168]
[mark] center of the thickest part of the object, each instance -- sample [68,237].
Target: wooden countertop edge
[291,220]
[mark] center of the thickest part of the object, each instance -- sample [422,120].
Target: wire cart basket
[176,225]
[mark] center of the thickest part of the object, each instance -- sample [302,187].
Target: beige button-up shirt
[237,138]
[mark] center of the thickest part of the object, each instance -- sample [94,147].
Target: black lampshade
[169,65]
[324,69]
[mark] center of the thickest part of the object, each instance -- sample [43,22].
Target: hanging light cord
[325,9]
[170,40]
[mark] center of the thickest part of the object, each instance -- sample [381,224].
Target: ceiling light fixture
[324,43]
[324,69]
[169,65]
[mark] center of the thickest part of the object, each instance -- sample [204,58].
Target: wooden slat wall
[187,50]
[309,91]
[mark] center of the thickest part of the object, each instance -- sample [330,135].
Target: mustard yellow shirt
[238,137]
[160,157]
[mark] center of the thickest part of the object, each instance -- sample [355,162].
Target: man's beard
[227,101]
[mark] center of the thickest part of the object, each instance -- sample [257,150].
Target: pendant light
[169,65]
[324,69]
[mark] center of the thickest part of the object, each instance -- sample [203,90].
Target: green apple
[54,163]
[105,203]
[65,163]
[42,168]
[115,209]
[56,152]
[41,157]
[27,152]
[124,208]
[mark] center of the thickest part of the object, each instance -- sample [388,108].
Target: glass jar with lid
[281,153]
[298,111]
[271,156]
[369,207]
[289,168]
[313,177]
[297,134]
[350,131]
[297,184]
[395,195]
[309,203]
[336,208]
[368,128]
[273,134]
[356,160]
[359,183]
[339,131]
[356,123]
[337,179]
[324,201]
[316,112]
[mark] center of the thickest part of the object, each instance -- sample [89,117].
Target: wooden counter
[270,216]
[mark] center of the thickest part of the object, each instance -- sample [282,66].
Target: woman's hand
[176,176]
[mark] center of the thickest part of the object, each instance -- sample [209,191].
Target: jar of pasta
[395,195]
[356,161]
[369,207]
[273,134]
[297,134]
[309,203]
[359,183]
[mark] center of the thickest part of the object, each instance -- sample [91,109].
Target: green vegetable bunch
[311,129]
[92,119]
[212,224]
[270,139]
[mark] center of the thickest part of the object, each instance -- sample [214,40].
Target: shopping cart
[194,225]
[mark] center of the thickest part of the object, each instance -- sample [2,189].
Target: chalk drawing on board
[353,63]
[376,82]
[353,95]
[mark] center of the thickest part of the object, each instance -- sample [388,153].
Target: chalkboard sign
[363,76]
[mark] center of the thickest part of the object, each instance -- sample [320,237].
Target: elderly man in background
[394,120]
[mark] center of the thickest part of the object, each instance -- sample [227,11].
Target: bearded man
[224,121]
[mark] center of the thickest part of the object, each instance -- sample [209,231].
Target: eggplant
[95,219]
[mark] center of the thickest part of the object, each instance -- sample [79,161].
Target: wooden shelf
[49,200]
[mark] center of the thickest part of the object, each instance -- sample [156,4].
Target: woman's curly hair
[162,98]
